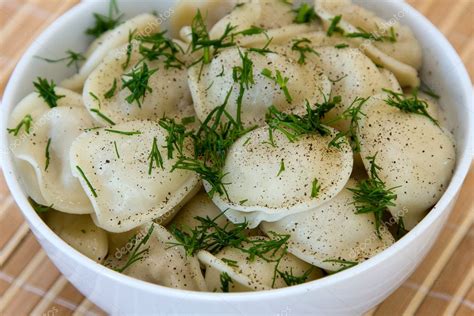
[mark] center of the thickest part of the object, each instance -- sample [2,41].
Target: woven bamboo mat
[30,284]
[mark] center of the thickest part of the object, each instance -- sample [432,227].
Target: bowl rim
[42,229]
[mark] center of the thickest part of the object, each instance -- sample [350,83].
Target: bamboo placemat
[30,284]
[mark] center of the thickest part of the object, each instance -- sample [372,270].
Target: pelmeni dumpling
[406,74]
[211,88]
[415,155]
[284,179]
[252,275]
[143,24]
[331,232]
[80,233]
[405,49]
[124,183]
[46,149]
[162,263]
[169,92]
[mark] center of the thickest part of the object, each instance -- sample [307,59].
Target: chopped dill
[230,263]
[25,122]
[372,196]
[373,36]
[301,46]
[127,133]
[104,23]
[409,104]
[46,154]
[73,58]
[116,150]
[280,81]
[340,46]
[155,157]
[137,253]
[333,27]
[304,14]
[156,46]
[87,181]
[225,281]
[102,116]
[345,264]
[176,136]
[290,279]
[47,92]
[95,97]
[39,208]
[315,187]
[282,167]
[137,83]
[243,75]
[110,93]
[128,52]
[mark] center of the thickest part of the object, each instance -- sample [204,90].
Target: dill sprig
[354,113]
[47,92]
[116,150]
[25,122]
[301,46]
[373,36]
[46,154]
[39,208]
[315,187]
[137,83]
[243,75]
[342,45]
[346,264]
[156,46]
[293,126]
[282,167]
[103,116]
[372,196]
[110,93]
[225,281]
[290,279]
[73,58]
[280,81]
[104,23]
[137,253]
[333,27]
[409,104]
[155,157]
[304,14]
[176,135]
[126,133]
[87,181]
[230,262]
[128,51]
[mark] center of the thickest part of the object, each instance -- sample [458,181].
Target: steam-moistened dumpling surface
[210,90]
[144,25]
[80,233]
[287,178]
[168,92]
[415,155]
[46,148]
[162,263]
[125,184]
[331,232]
[252,275]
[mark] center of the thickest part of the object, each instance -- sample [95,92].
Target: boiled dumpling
[332,232]
[168,95]
[278,181]
[252,275]
[415,155]
[130,182]
[80,233]
[211,88]
[46,149]
[143,24]
[162,263]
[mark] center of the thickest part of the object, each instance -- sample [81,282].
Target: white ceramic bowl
[349,292]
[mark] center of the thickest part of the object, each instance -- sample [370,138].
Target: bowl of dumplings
[240,157]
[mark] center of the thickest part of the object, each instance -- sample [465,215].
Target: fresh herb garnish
[401,230]
[46,154]
[105,23]
[243,75]
[47,92]
[345,264]
[282,167]
[92,94]
[176,136]
[116,150]
[354,113]
[225,280]
[156,46]
[230,263]
[333,27]
[373,36]
[342,45]
[87,181]
[123,132]
[71,56]
[110,93]
[333,81]
[315,187]
[188,120]
[290,279]
[304,14]
[372,196]
[425,89]
[137,253]
[155,157]
[409,104]
[301,46]
[128,51]
[280,81]
[25,122]
[137,83]
[39,208]
[103,116]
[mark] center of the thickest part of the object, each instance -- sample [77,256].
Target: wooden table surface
[30,284]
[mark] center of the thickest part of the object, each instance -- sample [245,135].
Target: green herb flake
[102,116]
[87,181]
[315,188]
[47,91]
[39,208]
[137,83]
[111,92]
[126,133]
[280,81]
[73,58]
[282,167]
[104,23]
[333,27]
[25,122]
[137,253]
[301,46]
[155,157]
[230,263]
[340,46]
[116,150]
[345,264]
[225,281]
[290,279]
[304,14]
[47,157]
